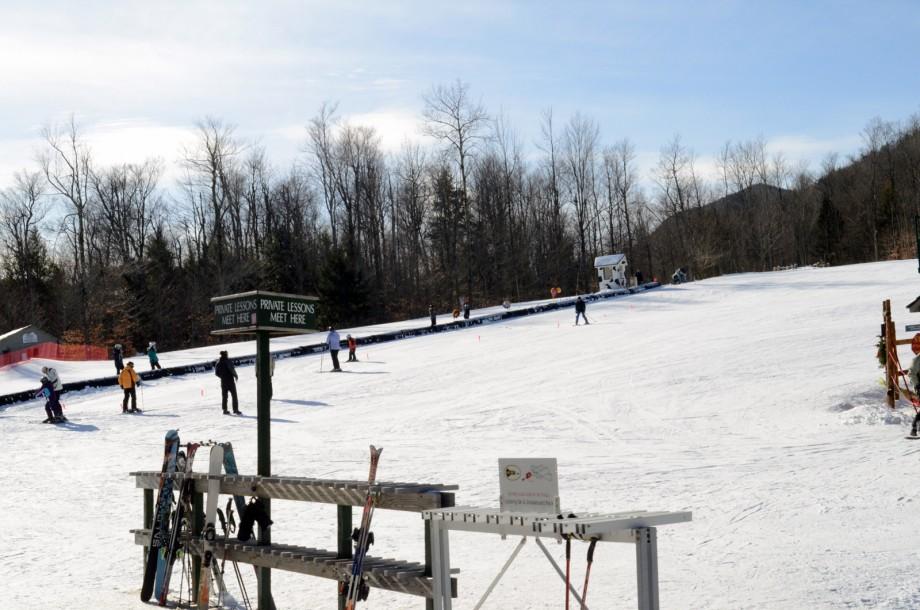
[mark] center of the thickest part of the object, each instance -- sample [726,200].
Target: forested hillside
[852,211]
[100,253]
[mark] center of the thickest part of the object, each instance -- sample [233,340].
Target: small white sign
[29,337]
[528,485]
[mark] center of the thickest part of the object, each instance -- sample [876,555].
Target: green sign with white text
[261,310]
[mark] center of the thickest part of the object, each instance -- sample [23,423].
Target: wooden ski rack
[412,578]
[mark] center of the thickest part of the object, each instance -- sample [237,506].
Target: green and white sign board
[260,310]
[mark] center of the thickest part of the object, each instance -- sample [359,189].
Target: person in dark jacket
[580,307]
[466,311]
[224,369]
[434,318]
[118,358]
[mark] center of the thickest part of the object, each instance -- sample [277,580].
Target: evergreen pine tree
[343,291]
[827,231]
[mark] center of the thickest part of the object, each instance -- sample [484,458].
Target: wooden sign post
[262,313]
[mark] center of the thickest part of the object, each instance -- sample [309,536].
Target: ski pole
[568,565]
[143,404]
[584,591]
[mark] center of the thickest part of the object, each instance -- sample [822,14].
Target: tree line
[111,253]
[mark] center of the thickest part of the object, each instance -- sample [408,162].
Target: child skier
[56,386]
[52,404]
[352,346]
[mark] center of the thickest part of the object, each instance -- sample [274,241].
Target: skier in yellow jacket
[129,380]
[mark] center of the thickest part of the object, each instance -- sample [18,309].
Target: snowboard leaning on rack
[216,463]
[231,469]
[159,530]
[168,553]
[357,588]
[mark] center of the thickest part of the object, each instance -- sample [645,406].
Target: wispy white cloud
[393,126]
[810,150]
[135,140]
[111,143]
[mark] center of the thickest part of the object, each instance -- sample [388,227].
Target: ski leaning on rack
[216,463]
[168,553]
[357,588]
[160,528]
[231,469]
[228,526]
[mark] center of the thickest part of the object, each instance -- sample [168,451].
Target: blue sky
[805,76]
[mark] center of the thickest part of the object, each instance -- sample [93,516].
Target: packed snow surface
[754,401]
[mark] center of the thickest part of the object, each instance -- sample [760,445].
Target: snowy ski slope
[753,400]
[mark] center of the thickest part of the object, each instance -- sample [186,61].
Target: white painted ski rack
[637,527]
[412,578]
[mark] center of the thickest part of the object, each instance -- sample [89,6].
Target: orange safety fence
[55,351]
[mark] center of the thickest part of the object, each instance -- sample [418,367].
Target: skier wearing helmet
[118,358]
[152,356]
[352,346]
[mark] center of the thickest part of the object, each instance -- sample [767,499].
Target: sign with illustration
[528,485]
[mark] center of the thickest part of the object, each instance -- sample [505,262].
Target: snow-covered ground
[754,401]
[25,375]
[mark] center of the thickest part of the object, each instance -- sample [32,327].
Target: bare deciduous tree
[452,117]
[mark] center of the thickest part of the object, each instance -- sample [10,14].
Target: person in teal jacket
[152,355]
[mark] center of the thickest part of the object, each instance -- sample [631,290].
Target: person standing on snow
[580,307]
[431,314]
[55,380]
[118,358]
[129,380]
[913,375]
[335,344]
[152,356]
[271,375]
[52,404]
[466,311]
[352,346]
[224,369]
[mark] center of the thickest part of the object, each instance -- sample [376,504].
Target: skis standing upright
[159,531]
[168,553]
[216,463]
[231,469]
[357,588]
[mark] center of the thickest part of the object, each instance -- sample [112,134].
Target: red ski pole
[584,591]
